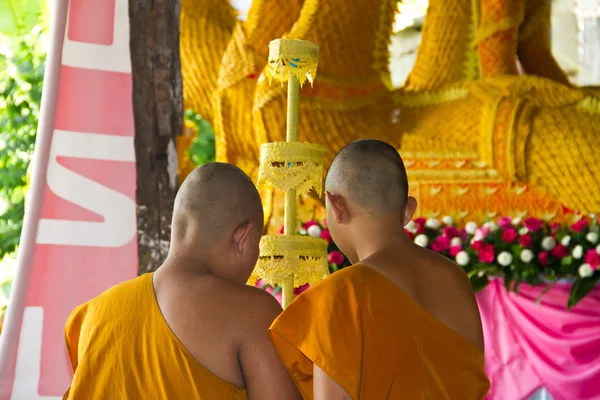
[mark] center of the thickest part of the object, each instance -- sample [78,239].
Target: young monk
[192,330]
[402,323]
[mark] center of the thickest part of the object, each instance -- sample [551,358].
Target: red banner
[79,233]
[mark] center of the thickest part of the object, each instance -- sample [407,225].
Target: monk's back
[377,342]
[121,347]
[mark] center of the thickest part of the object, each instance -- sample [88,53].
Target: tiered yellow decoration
[476,145]
[289,260]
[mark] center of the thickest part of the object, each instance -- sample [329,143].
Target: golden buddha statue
[478,139]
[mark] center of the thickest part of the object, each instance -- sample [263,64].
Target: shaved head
[214,201]
[371,174]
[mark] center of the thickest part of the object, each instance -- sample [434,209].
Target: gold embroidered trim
[292,57]
[292,165]
[304,257]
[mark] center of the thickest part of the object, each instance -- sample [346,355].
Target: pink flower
[560,251]
[309,224]
[482,232]
[509,235]
[555,226]
[409,234]
[337,258]
[420,221]
[282,230]
[326,235]
[593,258]
[525,241]
[454,250]
[543,257]
[477,245]
[464,236]
[533,224]
[486,253]
[301,289]
[505,222]
[451,232]
[440,244]
[325,224]
[580,225]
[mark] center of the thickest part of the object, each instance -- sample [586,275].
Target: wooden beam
[158,115]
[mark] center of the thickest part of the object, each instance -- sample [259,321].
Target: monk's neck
[374,243]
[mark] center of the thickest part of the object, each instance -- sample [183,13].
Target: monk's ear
[240,235]
[336,204]
[409,210]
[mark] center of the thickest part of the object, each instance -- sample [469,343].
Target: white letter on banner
[115,58]
[118,210]
[29,354]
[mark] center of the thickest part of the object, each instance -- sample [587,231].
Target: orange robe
[376,342]
[121,347]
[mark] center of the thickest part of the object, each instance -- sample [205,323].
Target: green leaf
[581,288]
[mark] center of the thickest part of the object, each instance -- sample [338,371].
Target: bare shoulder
[258,309]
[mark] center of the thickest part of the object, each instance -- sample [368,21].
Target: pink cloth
[529,346]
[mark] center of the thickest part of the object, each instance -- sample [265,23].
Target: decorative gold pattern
[292,57]
[292,165]
[304,257]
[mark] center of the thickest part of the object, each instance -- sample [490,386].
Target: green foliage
[18,17]
[22,65]
[202,150]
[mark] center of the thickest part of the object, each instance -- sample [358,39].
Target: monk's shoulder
[255,308]
[346,283]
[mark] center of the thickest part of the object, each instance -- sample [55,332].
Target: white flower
[314,231]
[577,252]
[523,231]
[548,243]
[505,258]
[456,242]
[481,273]
[471,228]
[566,241]
[585,271]
[517,220]
[433,223]
[592,237]
[491,225]
[598,249]
[448,220]
[527,256]
[422,240]
[302,231]
[462,258]
[411,226]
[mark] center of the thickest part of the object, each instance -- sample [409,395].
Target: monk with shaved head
[192,330]
[402,322]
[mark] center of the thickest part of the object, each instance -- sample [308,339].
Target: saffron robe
[376,342]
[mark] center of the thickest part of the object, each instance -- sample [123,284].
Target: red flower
[326,235]
[560,251]
[555,227]
[420,223]
[592,258]
[505,222]
[477,245]
[282,230]
[309,224]
[509,235]
[533,224]
[301,289]
[525,241]
[464,236]
[486,253]
[441,243]
[409,234]
[580,225]
[454,250]
[543,257]
[451,232]
[337,258]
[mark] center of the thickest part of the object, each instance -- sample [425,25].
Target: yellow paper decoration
[303,256]
[292,165]
[292,57]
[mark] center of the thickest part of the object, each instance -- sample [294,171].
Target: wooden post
[158,115]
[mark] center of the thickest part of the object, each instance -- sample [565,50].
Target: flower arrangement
[518,250]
